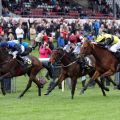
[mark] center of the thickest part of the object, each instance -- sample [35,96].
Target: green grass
[58,105]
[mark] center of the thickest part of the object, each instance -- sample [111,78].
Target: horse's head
[57,55]
[86,48]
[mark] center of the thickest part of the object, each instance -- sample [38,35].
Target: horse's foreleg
[27,87]
[3,88]
[73,81]
[38,85]
[86,86]
[58,81]
[94,77]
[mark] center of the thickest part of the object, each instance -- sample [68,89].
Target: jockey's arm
[18,49]
[109,41]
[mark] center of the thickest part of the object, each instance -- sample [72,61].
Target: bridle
[62,58]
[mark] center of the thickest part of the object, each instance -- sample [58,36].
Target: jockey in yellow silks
[109,40]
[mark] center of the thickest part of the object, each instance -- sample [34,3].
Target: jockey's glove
[10,52]
[14,56]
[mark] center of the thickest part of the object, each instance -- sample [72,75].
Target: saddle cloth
[27,61]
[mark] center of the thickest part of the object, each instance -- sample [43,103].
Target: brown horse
[70,68]
[10,68]
[106,63]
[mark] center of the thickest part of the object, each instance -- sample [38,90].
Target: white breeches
[115,47]
[76,50]
[22,48]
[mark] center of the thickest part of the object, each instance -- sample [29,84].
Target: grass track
[58,106]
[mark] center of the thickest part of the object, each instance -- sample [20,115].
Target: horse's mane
[102,47]
[70,55]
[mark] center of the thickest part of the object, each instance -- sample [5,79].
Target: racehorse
[10,68]
[106,62]
[72,69]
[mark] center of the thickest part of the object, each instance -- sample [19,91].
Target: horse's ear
[87,41]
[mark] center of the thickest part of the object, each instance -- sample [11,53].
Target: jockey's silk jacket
[104,37]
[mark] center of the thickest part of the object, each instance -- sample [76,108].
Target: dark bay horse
[106,63]
[10,68]
[70,68]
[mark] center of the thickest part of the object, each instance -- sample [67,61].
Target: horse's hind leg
[109,79]
[27,87]
[3,88]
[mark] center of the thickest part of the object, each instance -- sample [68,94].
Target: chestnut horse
[10,68]
[106,63]
[70,68]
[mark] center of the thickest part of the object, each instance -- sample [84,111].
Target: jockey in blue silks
[28,48]
[15,48]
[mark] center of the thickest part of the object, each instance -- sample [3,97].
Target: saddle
[25,61]
[84,65]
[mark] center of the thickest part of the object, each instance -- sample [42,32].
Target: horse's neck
[4,57]
[66,60]
[98,52]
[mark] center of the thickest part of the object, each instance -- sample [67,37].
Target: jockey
[76,51]
[69,47]
[109,40]
[15,48]
[28,49]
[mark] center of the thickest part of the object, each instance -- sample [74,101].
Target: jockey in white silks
[69,47]
[76,51]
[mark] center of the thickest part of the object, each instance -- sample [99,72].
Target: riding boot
[83,65]
[21,61]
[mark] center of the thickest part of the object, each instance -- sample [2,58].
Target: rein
[62,56]
[70,64]
[66,65]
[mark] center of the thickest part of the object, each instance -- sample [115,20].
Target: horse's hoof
[117,88]
[104,95]
[82,91]
[106,89]
[4,94]
[46,94]
[72,98]
[19,97]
